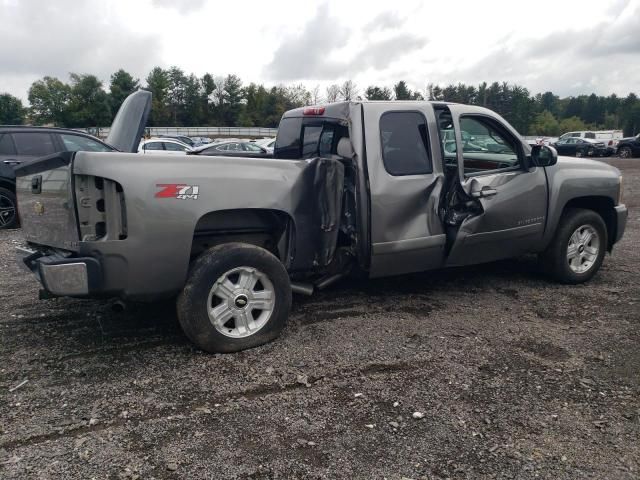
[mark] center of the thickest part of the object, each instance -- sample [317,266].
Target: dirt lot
[514,377]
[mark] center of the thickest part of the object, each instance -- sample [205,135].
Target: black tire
[579,153]
[625,152]
[8,218]
[192,303]
[554,258]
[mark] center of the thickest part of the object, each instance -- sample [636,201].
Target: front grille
[101,209]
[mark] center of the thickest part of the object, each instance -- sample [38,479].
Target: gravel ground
[510,376]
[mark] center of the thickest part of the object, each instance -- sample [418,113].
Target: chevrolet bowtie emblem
[38,208]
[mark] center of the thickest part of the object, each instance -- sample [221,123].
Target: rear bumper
[63,275]
[621,221]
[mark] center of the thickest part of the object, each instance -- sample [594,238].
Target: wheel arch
[273,230]
[603,206]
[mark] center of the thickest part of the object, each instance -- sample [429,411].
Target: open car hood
[128,126]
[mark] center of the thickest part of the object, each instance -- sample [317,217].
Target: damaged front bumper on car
[62,274]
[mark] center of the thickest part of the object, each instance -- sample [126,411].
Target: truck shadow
[95,326]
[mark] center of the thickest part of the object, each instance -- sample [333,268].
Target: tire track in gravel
[195,406]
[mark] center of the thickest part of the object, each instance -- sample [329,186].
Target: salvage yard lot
[516,377]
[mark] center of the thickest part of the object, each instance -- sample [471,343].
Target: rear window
[34,143]
[300,138]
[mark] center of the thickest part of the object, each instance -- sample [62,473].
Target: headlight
[620,196]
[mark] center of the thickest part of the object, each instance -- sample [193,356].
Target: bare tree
[349,90]
[333,93]
[315,95]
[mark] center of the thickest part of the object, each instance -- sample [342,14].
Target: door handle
[12,161]
[485,192]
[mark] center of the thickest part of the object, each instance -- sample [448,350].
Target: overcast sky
[568,47]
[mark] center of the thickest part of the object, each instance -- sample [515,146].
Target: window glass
[575,134]
[589,135]
[326,142]
[250,147]
[310,139]
[405,145]
[34,143]
[76,143]
[486,147]
[300,138]
[173,147]
[6,145]
[288,139]
[153,146]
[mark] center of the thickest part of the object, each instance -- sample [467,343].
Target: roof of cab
[341,109]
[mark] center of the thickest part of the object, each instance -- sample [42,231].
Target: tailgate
[45,201]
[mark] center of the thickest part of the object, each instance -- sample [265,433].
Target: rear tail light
[610,143]
[313,111]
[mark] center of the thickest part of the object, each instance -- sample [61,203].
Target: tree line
[181,99]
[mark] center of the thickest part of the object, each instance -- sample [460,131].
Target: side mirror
[543,156]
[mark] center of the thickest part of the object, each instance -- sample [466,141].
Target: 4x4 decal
[178,190]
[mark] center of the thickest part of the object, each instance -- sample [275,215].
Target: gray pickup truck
[353,188]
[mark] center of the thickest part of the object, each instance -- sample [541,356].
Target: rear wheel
[625,152]
[578,247]
[8,209]
[579,153]
[237,296]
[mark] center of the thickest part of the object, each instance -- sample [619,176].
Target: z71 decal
[178,190]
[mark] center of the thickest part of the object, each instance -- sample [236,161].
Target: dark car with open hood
[20,145]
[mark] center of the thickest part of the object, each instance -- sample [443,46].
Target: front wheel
[237,296]
[624,152]
[578,247]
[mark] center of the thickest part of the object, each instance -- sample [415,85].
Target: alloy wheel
[583,249]
[241,302]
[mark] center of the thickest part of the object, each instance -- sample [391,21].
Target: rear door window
[34,143]
[405,143]
[153,146]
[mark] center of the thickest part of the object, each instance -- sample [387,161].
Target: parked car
[200,141]
[580,147]
[164,146]
[267,143]
[609,137]
[354,186]
[181,138]
[231,148]
[629,147]
[22,144]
